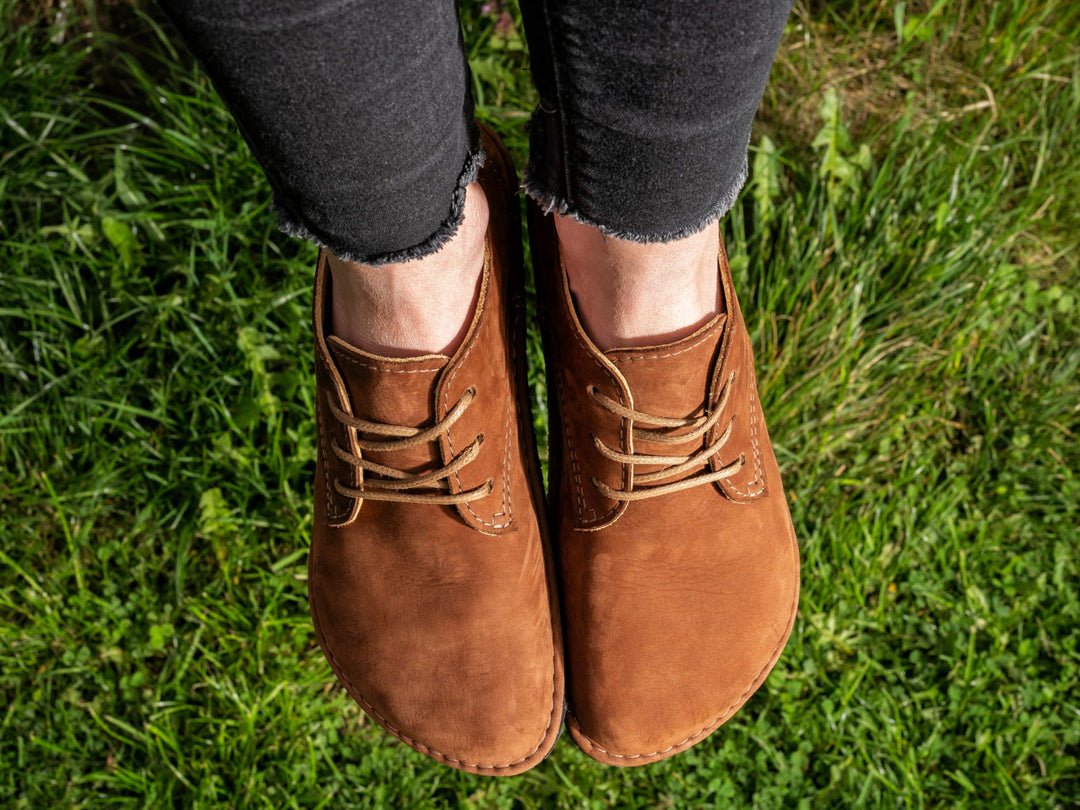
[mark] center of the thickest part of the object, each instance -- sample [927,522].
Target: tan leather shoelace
[671,465]
[395,484]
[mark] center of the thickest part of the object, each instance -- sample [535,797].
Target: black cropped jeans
[360,111]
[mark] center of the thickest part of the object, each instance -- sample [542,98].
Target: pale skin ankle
[422,306]
[632,294]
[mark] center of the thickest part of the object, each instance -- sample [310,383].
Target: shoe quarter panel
[735,371]
[484,366]
[583,423]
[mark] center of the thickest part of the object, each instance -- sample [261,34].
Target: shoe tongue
[393,391]
[672,379]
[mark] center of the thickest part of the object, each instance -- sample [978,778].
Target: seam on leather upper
[331,511]
[582,507]
[507,508]
[759,484]
[508,502]
[701,339]
[358,362]
[759,471]
[562,415]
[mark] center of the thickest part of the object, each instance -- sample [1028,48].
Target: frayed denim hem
[550,202]
[292,225]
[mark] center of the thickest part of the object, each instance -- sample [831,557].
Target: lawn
[906,252]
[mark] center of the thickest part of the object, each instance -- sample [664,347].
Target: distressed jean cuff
[293,225]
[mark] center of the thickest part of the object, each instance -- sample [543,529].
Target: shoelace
[674,464]
[394,484]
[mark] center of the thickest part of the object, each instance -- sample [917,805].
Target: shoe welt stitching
[419,746]
[773,657]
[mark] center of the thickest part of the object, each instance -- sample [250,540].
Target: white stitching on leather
[573,453]
[711,333]
[330,507]
[355,361]
[566,433]
[758,471]
[507,508]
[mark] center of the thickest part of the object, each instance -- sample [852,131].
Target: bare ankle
[421,306]
[634,294]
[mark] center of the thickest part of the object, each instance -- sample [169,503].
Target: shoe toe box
[671,632]
[452,659]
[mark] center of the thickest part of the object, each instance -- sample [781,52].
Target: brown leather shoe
[678,560]
[429,570]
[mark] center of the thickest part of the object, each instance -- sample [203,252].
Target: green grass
[906,253]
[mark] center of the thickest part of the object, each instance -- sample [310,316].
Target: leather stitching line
[357,362]
[614,384]
[573,455]
[326,464]
[508,502]
[755,443]
[446,406]
[683,350]
[331,508]
[506,509]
